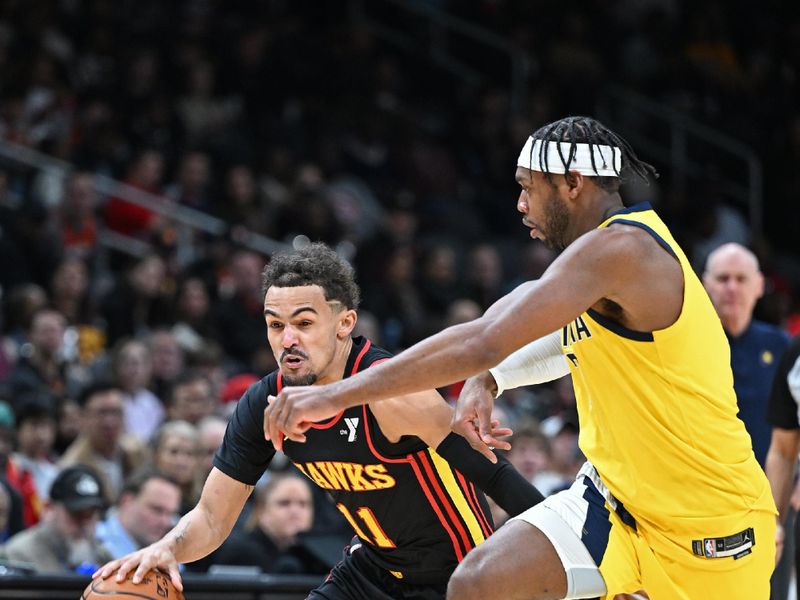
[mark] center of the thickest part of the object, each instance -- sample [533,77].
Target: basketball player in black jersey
[415,511]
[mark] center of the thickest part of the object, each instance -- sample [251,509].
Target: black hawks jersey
[415,515]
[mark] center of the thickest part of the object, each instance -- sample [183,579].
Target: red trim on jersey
[451,510]
[469,493]
[435,507]
[361,354]
[372,448]
[328,424]
[409,459]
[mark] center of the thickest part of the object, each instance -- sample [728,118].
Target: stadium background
[187,140]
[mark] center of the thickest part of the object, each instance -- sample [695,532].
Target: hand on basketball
[473,416]
[155,556]
[290,414]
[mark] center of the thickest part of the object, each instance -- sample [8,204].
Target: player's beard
[556,223]
[308,379]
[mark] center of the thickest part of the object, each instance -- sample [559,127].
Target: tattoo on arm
[182,532]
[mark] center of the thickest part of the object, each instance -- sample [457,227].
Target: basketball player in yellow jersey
[672,500]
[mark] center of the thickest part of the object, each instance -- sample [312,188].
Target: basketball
[154,586]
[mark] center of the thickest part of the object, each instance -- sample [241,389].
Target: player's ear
[347,322]
[574,182]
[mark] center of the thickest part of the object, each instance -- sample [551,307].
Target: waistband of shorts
[589,472]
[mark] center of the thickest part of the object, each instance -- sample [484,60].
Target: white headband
[607,159]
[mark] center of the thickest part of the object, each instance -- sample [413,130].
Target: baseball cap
[236,386]
[77,488]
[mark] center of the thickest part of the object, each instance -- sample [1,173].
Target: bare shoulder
[645,278]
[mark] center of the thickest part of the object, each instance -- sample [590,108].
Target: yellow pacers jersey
[658,411]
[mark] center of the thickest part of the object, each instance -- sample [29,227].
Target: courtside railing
[185,219]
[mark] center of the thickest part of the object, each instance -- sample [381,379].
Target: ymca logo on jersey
[352,428]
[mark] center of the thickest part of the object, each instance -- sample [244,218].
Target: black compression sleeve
[501,481]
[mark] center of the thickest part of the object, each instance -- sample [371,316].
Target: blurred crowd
[287,119]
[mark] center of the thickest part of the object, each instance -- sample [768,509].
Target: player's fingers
[498,432]
[175,576]
[147,563]
[125,567]
[106,570]
[498,444]
[470,433]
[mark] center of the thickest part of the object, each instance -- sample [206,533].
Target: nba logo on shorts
[711,550]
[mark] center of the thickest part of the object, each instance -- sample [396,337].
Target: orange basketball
[154,586]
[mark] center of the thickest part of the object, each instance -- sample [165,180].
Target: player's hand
[473,416]
[780,535]
[155,556]
[291,413]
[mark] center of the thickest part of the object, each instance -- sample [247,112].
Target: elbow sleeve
[538,362]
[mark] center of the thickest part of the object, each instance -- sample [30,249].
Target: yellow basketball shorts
[720,558]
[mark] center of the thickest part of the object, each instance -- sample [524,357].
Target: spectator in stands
[211,431]
[64,541]
[283,511]
[136,303]
[242,204]
[240,315]
[176,452]
[41,366]
[132,367]
[439,282]
[194,323]
[76,215]
[191,399]
[144,174]
[102,444]
[19,307]
[25,503]
[531,454]
[484,274]
[69,291]
[233,389]
[167,360]
[396,300]
[146,510]
[68,424]
[192,188]
[36,433]
[734,282]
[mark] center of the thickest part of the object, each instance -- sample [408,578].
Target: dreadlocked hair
[585,130]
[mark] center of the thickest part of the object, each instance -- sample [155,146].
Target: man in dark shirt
[734,282]
[415,510]
[784,408]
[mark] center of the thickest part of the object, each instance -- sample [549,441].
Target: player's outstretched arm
[198,533]
[593,267]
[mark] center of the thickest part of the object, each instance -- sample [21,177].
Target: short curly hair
[315,264]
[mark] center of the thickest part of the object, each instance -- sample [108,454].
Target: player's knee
[468,580]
